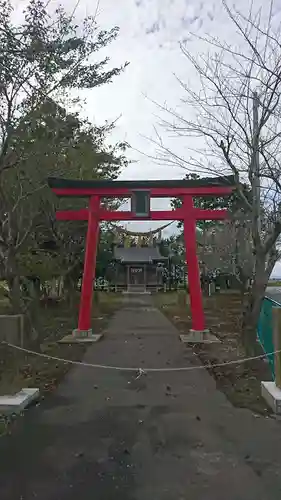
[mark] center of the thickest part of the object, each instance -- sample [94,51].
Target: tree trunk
[70,291]
[253,305]
[13,278]
[54,289]
[15,294]
[61,287]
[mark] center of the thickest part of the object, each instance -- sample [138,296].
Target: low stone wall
[12,329]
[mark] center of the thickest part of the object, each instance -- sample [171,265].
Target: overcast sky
[150,34]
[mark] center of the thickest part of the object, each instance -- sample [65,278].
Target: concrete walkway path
[107,435]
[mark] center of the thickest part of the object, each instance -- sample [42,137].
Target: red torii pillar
[195,292]
[89,272]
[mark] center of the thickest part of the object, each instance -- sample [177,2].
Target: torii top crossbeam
[218,186]
[176,187]
[140,193]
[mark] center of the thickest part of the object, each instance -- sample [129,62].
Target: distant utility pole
[256,161]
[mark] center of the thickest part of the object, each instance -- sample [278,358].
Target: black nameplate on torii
[140,203]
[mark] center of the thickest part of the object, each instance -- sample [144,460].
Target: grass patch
[4,305]
[241,382]
[274,283]
[175,305]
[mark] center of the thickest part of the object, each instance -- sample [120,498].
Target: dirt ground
[240,383]
[18,369]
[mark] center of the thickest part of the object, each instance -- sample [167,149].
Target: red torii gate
[140,193]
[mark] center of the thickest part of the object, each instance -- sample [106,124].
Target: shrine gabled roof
[138,254]
[60,183]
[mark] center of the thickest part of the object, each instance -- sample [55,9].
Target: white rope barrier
[139,370]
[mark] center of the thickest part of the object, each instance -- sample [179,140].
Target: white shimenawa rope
[140,371]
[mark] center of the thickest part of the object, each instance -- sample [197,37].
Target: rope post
[276,315]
